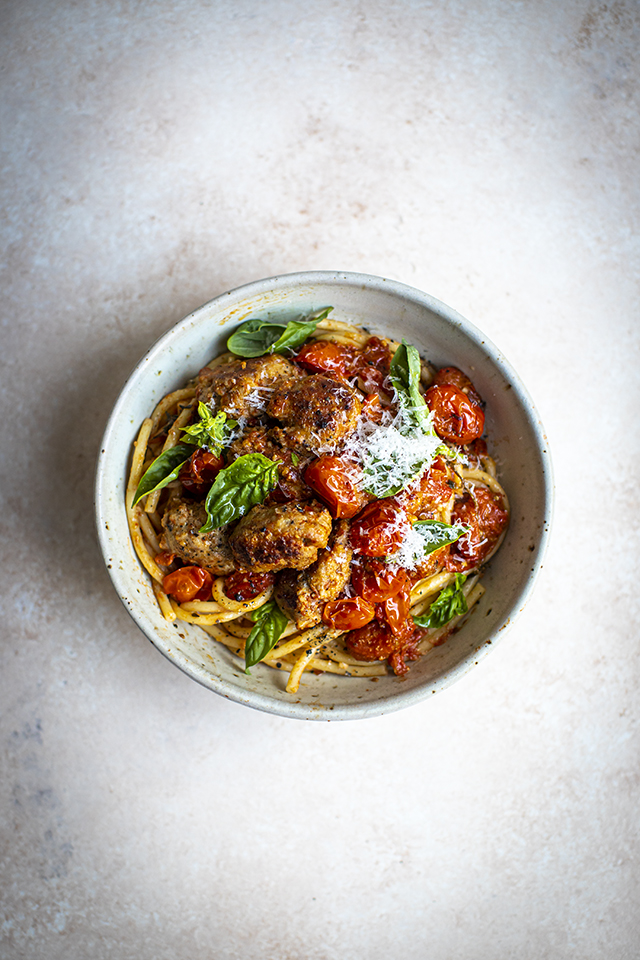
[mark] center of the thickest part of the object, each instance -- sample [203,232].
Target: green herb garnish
[243,484]
[404,374]
[436,534]
[450,602]
[255,338]
[270,623]
[163,470]
[212,431]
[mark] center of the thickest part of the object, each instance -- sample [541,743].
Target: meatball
[318,413]
[279,536]
[181,523]
[303,594]
[242,388]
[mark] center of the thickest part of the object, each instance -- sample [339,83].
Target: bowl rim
[390,702]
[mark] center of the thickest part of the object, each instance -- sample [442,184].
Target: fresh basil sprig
[163,470]
[212,432]
[436,534]
[450,602]
[398,453]
[404,374]
[270,623]
[238,487]
[254,338]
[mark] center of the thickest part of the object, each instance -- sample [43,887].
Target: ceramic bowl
[516,439]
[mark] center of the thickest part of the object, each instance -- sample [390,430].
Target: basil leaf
[270,623]
[163,470]
[436,534]
[254,338]
[295,334]
[211,432]
[404,374]
[238,487]
[450,602]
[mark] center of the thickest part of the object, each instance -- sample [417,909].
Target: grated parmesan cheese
[391,453]
[410,552]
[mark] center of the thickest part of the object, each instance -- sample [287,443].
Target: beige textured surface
[156,154]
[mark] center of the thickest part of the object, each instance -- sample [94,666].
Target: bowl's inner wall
[444,340]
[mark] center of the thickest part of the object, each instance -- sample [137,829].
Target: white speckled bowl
[516,438]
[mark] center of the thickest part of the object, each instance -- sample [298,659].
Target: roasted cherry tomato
[377,353]
[324,356]
[335,481]
[456,378]
[188,583]
[484,514]
[478,448]
[246,585]
[396,613]
[372,407]
[377,642]
[374,581]
[455,416]
[431,491]
[372,642]
[379,529]
[165,558]
[370,379]
[348,614]
[199,472]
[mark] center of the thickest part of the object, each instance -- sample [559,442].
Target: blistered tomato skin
[457,378]
[245,585]
[188,583]
[324,356]
[428,494]
[199,472]
[377,353]
[455,416]
[379,529]
[348,614]
[376,582]
[334,480]
[396,613]
[372,642]
[372,408]
[484,514]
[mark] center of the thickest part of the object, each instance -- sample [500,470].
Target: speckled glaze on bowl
[516,439]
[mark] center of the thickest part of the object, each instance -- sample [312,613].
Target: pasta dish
[317,499]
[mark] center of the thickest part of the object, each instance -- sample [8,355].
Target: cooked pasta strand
[431,585]
[205,618]
[319,633]
[301,664]
[240,606]
[171,400]
[163,602]
[149,532]
[172,439]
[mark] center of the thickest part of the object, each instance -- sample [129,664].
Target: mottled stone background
[157,153]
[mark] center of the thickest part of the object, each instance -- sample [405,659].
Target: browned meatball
[182,522]
[280,536]
[303,594]
[290,486]
[318,413]
[242,388]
